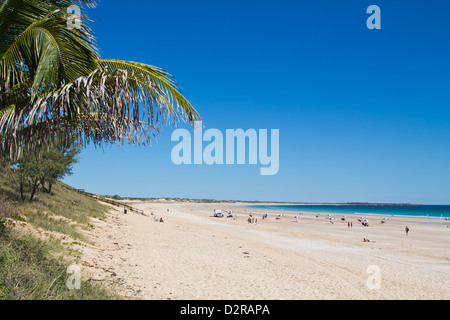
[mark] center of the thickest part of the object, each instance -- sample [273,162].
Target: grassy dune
[38,242]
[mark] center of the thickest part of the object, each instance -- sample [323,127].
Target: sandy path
[194,256]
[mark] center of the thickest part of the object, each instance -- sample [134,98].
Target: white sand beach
[194,256]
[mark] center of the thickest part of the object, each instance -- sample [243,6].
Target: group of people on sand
[252,220]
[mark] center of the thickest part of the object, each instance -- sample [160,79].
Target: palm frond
[53,84]
[44,48]
[127,105]
[153,86]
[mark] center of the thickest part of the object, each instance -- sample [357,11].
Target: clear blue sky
[364,115]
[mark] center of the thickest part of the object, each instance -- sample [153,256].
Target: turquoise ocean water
[416,211]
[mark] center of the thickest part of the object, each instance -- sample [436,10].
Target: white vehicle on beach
[218,213]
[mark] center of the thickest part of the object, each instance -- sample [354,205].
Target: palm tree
[54,84]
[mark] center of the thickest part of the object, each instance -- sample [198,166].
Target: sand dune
[192,255]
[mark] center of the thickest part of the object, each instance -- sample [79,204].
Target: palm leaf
[53,84]
[154,86]
[129,105]
[42,47]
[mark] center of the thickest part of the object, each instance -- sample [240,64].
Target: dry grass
[33,265]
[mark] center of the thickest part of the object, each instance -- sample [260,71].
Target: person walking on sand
[406,230]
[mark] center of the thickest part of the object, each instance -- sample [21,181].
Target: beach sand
[194,256]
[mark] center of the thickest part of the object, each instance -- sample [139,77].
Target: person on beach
[407,230]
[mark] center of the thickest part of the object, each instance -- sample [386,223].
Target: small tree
[57,164]
[33,171]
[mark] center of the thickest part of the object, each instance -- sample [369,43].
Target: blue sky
[363,114]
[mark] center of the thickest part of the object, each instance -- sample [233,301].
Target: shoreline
[256,204]
[406,216]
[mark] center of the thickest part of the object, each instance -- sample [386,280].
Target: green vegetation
[33,265]
[34,171]
[55,85]
[55,90]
